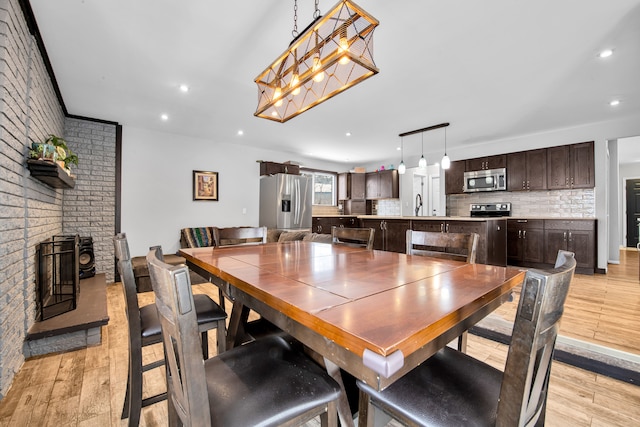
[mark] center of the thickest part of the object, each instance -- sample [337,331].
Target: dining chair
[262,383]
[353,236]
[144,330]
[234,236]
[456,246]
[454,389]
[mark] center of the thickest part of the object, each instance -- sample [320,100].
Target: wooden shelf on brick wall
[50,173]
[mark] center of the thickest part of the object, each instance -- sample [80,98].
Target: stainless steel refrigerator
[285,201]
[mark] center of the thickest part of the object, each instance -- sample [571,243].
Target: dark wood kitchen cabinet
[571,166]
[577,236]
[323,224]
[382,185]
[351,186]
[527,170]
[454,177]
[390,234]
[525,242]
[487,162]
[492,236]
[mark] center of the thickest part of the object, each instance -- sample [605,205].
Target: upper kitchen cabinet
[454,177]
[351,186]
[527,170]
[382,185]
[570,166]
[488,162]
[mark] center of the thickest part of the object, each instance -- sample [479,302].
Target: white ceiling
[493,69]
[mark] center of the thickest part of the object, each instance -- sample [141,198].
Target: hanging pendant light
[332,54]
[422,163]
[401,167]
[445,163]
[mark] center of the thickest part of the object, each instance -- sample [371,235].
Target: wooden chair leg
[462,342]
[221,337]
[205,345]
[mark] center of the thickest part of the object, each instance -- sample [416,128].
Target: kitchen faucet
[418,203]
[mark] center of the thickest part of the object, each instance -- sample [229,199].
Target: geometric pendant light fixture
[334,53]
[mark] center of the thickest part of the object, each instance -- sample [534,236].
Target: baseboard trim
[567,353]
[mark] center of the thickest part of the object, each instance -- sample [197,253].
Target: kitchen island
[492,232]
[391,231]
[525,242]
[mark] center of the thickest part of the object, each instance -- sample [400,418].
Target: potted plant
[54,148]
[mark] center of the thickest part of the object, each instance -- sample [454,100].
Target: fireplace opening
[57,276]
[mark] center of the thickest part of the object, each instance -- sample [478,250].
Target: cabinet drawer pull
[519,234]
[524,234]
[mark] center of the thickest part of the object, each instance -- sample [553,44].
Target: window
[324,187]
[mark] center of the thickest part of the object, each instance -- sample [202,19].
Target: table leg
[344,412]
[235,331]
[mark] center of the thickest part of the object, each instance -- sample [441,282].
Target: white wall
[157,179]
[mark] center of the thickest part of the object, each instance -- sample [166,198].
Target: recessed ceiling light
[184,88]
[348,134]
[164,117]
[606,53]
[240,132]
[398,148]
[615,102]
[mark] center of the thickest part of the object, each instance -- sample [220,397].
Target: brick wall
[89,208]
[31,211]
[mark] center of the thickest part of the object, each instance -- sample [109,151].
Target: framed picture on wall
[205,185]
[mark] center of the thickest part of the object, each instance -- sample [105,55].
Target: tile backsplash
[577,203]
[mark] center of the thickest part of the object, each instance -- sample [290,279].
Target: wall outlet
[244,211]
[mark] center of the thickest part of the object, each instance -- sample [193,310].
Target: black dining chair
[144,330]
[454,389]
[361,237]
[266,382]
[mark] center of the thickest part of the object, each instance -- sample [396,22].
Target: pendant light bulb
[422,163]
[277,94]
[295,80]
[316,66]
[343,45]
[445,163]
[401,167]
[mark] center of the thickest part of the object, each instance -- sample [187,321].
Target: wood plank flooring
[86,387]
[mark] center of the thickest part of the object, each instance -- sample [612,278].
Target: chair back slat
[525,383]
[361,237]
[186,380]
[456,246]
[233,236]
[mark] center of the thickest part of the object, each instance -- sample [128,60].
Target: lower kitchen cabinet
[577,236]
[323,224]
[525,241]
[536,242]
[390,234]
[492,235]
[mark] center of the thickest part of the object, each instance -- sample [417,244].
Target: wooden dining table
[375,314]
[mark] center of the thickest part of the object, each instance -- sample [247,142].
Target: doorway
[633,211]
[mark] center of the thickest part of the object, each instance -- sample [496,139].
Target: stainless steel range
[490,210]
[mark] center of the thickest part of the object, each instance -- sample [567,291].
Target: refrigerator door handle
[296,218]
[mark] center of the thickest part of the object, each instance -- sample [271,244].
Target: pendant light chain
[294,33]
[316,14]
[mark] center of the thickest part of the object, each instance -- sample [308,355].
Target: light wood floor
[86,387]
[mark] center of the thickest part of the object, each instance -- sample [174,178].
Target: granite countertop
[428,218]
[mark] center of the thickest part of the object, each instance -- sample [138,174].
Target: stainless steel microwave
[485,180]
